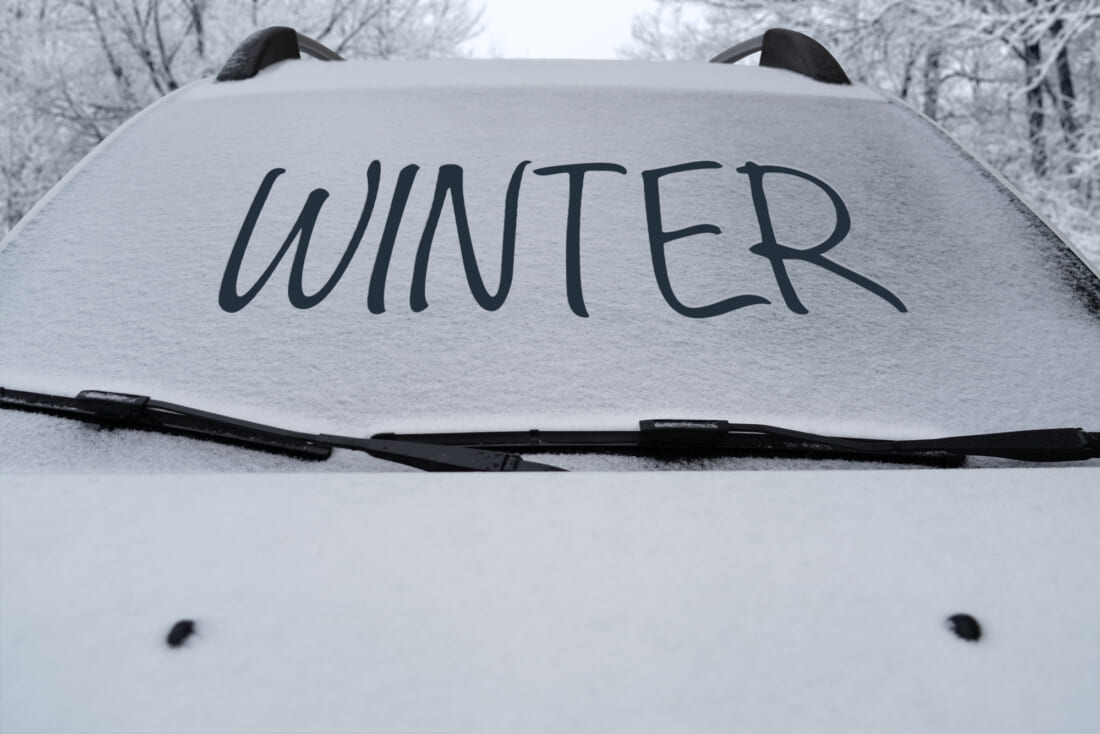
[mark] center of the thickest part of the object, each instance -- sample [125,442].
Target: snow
[289,77]
[769,601]
[114,285]
[356,595]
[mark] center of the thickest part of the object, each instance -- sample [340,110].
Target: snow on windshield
[489,255]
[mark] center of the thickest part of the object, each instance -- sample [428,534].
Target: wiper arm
[121,410]
[667,437]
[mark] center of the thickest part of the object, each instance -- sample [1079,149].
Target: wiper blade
[676,438]
[1040,445]
[122,410]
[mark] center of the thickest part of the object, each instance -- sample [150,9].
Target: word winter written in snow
[448,185]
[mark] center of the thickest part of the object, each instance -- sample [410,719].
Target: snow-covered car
[825,388]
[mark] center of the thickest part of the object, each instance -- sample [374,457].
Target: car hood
[706,601]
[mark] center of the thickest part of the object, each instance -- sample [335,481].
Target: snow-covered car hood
[767,601]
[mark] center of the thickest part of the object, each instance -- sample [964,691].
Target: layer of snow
[114,284]
[291,77]
[583,603]
[590,601]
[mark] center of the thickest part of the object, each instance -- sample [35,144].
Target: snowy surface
[593,601]
[114,284]
[470,74]
[605,602]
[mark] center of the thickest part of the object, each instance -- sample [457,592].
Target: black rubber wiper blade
[123,410]
[676,438]
[1038,445]
[674,444]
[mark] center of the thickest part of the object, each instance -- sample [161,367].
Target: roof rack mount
[268,46]
[784,49]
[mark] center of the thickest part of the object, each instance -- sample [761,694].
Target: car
[760,404]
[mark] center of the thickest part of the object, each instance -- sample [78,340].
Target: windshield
[483,257]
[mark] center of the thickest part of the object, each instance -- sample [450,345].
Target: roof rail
[783,49]
[264,48]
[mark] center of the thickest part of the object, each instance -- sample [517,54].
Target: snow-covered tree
[72,71]
[1017,81]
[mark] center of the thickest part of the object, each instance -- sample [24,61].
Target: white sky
[557,28]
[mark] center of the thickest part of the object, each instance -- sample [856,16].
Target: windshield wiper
[706,438]
[121,410]
[498,450]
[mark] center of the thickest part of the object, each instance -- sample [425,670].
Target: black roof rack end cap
[797,52]
[260,50]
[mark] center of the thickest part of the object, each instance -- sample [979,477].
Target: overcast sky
[590,29]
